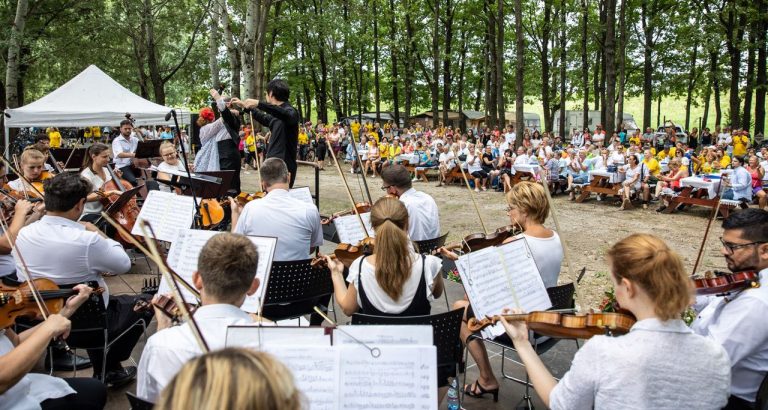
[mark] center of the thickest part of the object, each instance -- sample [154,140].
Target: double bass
[127,214]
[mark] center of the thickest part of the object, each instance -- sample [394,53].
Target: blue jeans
[728,194]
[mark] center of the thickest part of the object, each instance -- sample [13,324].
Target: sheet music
[167,213]
[501,277]
[403,377]
[315,371]
[384,335]
[271,335]
[302,194]
[349,229]
[185,249]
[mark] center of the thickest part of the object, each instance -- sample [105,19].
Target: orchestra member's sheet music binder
[166,213]
[336,368]
[185,249]
[501,277]
[349,229]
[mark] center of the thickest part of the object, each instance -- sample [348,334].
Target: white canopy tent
[92,98]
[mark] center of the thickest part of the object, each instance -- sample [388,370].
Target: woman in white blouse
[659,364]
[95,170]
[634,173]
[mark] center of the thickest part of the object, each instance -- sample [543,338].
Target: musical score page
[185,250]
[502,277]
[270,333]
[167,213]
[384,335]
[302,194]
[349,229]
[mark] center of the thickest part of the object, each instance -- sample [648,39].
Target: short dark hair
[227,266]
[65,190]
[397,176]
[274,171]
[752,222]
[279,89]
[42,137]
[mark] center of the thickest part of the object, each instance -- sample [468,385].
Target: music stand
[148,149]
[73,158]
[121,201]
[209,190]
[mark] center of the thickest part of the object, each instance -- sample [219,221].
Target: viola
[125,216]
[563,325]
[347,253]
[17,301]
[717,283]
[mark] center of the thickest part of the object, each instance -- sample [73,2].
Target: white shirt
[295,224]
[120,144]
[474,164]
[521,159]
[167,168]
[63,251]
[657,365]
[94,207]
[423,215]
[33,388]
[724,138]
[548,255]
[378,298]
[169,349]
[740,326]
[509,138]
[447,159]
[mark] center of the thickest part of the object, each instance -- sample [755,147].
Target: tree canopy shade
[406,56]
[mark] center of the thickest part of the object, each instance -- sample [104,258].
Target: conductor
[282,120]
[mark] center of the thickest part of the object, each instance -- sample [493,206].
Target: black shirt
[283,122]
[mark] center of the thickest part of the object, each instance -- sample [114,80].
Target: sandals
[470,390]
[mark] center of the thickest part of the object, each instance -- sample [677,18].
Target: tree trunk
[447,59]
[760,81]
[596,80]
[247,58]
[490,64]
[707,97]
[153,61]
[272,40]
[12,74]
[733,39]
[462,63]
[658,110]
[409,63]
[584,65]
[258,46]
[603,23]
[376,84]
[691,84]
[434,86]
[393,53]
[622,64]
[479,94]
[213,51]
[500,63]
[561,124]
[748,90]
[232,52]
[519,73]
[610,66]
[649,25]
[544,61]
[713,68]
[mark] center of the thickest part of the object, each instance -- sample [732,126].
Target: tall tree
[376,84]
[746,117]
[760,81]
[561,124]
[393,59]
[610,65]
[253,46]
[499,69]
[13,98]
[584,63]
[519,72]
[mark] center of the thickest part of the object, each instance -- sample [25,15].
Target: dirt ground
[588,229]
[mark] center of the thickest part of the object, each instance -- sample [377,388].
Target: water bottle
[453,395]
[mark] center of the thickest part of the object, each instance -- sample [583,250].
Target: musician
[59,248]
[33,168]
[296,224]
[216,380]
[124,149]
[738,320]
[424,220]
[96,172]
[24,213]
[660,363]
[171,163]
[395,280]
[19,353]
[528,208]
[225,275]
[282,120]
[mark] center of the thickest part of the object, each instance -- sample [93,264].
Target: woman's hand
[448,254]
[336,267]
[516,329]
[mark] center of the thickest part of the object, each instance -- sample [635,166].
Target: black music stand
[72,158]
[209,190]
[120,202]
[148,149]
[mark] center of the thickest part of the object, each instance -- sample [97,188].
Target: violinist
[96,172]
[124,149]
[661,363]
[225,275]
[60,249]
[527,207]
[738,321]
[33,168]
[24,213]
[19,353]
[424,219]
[296,224]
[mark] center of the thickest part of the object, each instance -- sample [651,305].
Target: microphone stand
[198,215]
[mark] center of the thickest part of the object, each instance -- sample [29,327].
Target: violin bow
[706,231]
[175,292]
[346,185]
[131,238]
[26,183]
[357,155]
[563,243]
[471,193]
[44,312]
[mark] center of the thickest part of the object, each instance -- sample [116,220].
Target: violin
[212,210]
[360,207]
[347,253]
[717,283]
[477,241]
[17,301]
[166,305]
[563,325]
[125,216]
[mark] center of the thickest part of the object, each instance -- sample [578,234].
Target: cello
[125,216]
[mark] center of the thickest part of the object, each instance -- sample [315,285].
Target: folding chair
[137,403]
[295,288]
[428,246]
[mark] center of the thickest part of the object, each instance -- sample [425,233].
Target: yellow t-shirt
[394,150]
[740,145]
[55,138]
[96,132]
[725,161]
[661,155]
[372,135]
[87,133]
[355,128]
[303,138]
[653,166]
[250,142]
[672,152]
[384,151]
[705,166]
[635,139]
